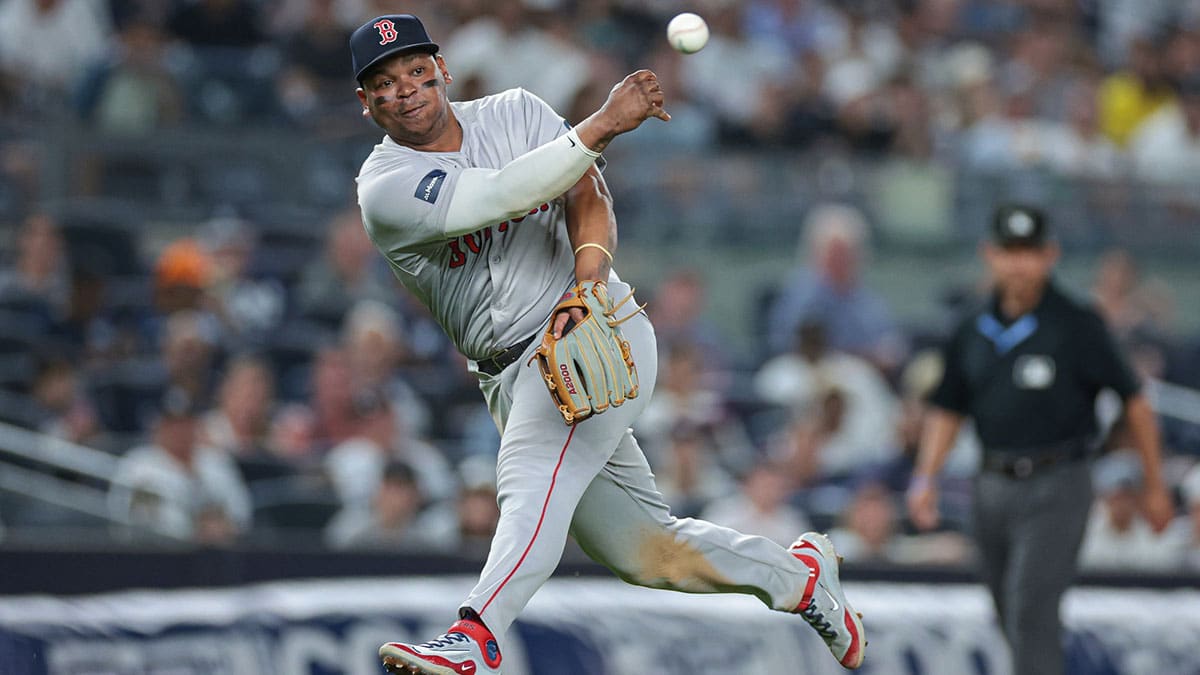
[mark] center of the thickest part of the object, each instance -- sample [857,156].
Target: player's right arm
[477,197]
[634,100]
[937,439]
[950,401]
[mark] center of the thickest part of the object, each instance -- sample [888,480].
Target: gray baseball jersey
[491,288]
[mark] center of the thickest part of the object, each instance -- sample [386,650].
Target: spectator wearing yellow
[1129,96]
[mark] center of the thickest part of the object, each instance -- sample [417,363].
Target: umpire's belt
[1024,462]
[504,359]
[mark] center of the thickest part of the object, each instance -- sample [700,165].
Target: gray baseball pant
[1029,531]
[592,481]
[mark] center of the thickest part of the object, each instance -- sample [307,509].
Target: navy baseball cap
[386,35]
[1019,225]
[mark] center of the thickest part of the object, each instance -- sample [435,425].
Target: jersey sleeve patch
[430,186]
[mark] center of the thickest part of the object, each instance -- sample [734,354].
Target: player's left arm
[1108,367]
[589,213]
[1142,425]
[590,220]
[584,344]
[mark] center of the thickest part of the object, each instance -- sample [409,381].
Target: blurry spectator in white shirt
[862,436]
[1118,537]
[761,507]
[869,531]
[684,399]
[356,465]
[535,59]
[52,43]
[394,519]
[689,472]
[1190,487]
[1079,147]
[1166,148]
[177,487]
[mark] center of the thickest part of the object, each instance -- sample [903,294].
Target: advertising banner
[572,627]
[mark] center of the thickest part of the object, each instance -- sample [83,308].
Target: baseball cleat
[468,648]
[824,605]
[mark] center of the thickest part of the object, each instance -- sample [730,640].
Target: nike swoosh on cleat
[836,606]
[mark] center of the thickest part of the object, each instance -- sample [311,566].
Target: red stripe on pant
[536,530]
[811,584]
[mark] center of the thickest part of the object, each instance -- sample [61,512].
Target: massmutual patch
[430,186]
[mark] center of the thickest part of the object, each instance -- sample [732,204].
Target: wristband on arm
[591,245]
[921,482]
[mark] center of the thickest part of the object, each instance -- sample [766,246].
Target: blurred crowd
[252,383]
[1095,88]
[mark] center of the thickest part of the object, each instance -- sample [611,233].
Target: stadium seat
[102,247]
[292,503]
[126,395]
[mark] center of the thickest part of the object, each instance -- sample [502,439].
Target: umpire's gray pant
[1029,531]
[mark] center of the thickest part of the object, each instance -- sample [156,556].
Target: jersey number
[474,241]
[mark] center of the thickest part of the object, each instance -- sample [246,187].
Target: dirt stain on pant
[665,561]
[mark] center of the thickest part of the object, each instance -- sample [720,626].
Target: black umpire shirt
[1032,382]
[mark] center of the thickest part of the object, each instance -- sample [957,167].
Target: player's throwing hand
[636,98]
[632,101]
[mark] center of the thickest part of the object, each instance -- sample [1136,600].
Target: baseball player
[494,214]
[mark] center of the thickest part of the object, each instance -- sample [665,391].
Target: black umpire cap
[386,35]
[1019,225]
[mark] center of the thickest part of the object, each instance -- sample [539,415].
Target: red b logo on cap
[387,31]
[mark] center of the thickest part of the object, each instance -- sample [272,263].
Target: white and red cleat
[467,648]
[824,605]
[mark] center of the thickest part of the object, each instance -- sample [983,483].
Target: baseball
[687,33]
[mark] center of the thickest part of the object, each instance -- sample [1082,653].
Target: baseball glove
[590,367]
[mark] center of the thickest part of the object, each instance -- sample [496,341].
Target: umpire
[1027,368]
